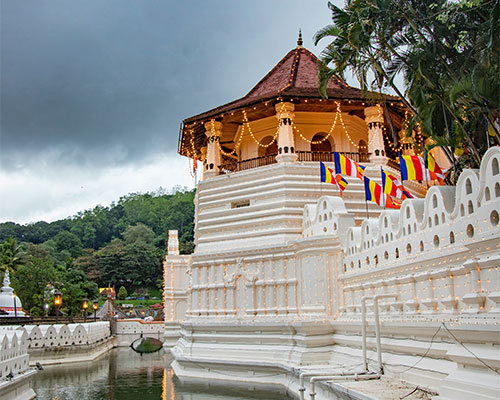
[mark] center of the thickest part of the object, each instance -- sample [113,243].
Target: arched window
[272,149]
[325,146]
[468,186]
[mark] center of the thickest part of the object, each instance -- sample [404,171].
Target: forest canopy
[121,245]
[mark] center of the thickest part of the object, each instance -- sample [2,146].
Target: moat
[122,374]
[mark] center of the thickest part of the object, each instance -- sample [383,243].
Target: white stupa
[9,302]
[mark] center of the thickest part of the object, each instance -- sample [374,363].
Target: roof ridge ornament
[299,40]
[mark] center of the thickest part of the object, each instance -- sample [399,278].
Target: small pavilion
[285,119]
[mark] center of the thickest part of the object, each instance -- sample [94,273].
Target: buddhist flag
[326,174]
[390,203]
[346,166]
[341,183]
[374,192]
[412,168]
[393,186]
[433,169]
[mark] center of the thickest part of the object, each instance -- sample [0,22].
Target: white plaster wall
[439,255]
[13,355]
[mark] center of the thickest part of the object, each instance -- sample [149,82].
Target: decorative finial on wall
[299,40]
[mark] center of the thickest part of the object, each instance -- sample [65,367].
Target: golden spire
[299,40]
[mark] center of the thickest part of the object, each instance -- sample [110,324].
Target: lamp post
[85,308]
[57,303]
[15,305]
[95,305]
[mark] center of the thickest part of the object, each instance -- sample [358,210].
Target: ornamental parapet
[440,254]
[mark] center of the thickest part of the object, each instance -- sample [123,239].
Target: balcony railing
[231,165]
[234,165]
[328,156]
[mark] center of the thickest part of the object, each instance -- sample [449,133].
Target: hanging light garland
[245,122]
[238,143]
[347,133]
[338,115]
[317,141]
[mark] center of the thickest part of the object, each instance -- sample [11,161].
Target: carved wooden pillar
[406,143]
[203,151]
[213,130]
[286,142]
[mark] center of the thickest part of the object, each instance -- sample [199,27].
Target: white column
[407,143]
[374,118]
[213,130]
[203,151]
[286,142]
[173,243]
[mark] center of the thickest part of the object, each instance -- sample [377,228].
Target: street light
[85,307]
[15,305]
[57,303]
[95,305]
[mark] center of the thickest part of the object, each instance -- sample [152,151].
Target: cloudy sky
[92,92]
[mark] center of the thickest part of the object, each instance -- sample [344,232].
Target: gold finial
[299,40]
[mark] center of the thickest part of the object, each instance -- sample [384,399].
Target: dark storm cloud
[108,82]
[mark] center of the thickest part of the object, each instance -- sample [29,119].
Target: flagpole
[487,134]
[426,170]
[383,186]
[366,204]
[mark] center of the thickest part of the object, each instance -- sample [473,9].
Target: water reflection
[123,374]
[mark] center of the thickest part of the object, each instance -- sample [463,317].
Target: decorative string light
[347,133]
[245,122]
[238,143]
[324,138]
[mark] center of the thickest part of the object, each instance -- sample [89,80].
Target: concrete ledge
[260,375]
[19,388]
[70,354]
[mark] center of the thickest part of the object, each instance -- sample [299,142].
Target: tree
[11,254]
[122,293]
[66,240]
[31,280]
[446,51]
[138,233]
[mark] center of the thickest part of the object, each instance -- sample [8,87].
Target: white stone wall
[14,356]
[438,255]
[128,330]
[58,335]
[176,283]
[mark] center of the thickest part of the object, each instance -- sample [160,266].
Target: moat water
[122,374]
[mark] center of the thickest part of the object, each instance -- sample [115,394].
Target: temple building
[290,279]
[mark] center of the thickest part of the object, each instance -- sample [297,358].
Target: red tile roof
[295,75]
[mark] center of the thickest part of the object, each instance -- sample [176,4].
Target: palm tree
[11,254]
[447,53]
